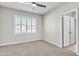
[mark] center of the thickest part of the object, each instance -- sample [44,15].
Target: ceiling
[37,10]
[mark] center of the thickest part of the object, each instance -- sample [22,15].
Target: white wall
[0,25]
[52,23]
[7,27]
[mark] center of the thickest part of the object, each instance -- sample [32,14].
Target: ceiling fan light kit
[34,5]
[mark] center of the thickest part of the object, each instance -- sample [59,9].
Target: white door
[66,30]
[73,39]
[69,30]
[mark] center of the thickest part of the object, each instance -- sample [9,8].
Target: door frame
[77,27]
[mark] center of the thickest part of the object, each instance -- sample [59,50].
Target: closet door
[66,28]
[73,39]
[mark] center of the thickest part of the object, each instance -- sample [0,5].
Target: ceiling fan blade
[40,5]
[26,3]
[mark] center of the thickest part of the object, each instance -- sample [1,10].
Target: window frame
[26,25]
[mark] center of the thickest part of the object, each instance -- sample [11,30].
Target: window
[29,23]
[25,24]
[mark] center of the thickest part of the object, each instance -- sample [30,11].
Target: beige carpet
[72,48]
[36,48]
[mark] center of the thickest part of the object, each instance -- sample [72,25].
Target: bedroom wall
[7,27]
[53,23]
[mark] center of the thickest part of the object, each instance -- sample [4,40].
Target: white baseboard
[54,43]
[11,43]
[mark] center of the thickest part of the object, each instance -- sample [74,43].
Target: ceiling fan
[34,4]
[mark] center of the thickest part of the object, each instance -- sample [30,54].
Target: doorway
[69,30]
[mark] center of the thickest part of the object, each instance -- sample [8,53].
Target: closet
[70,30]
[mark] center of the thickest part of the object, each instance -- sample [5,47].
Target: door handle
[70,32]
